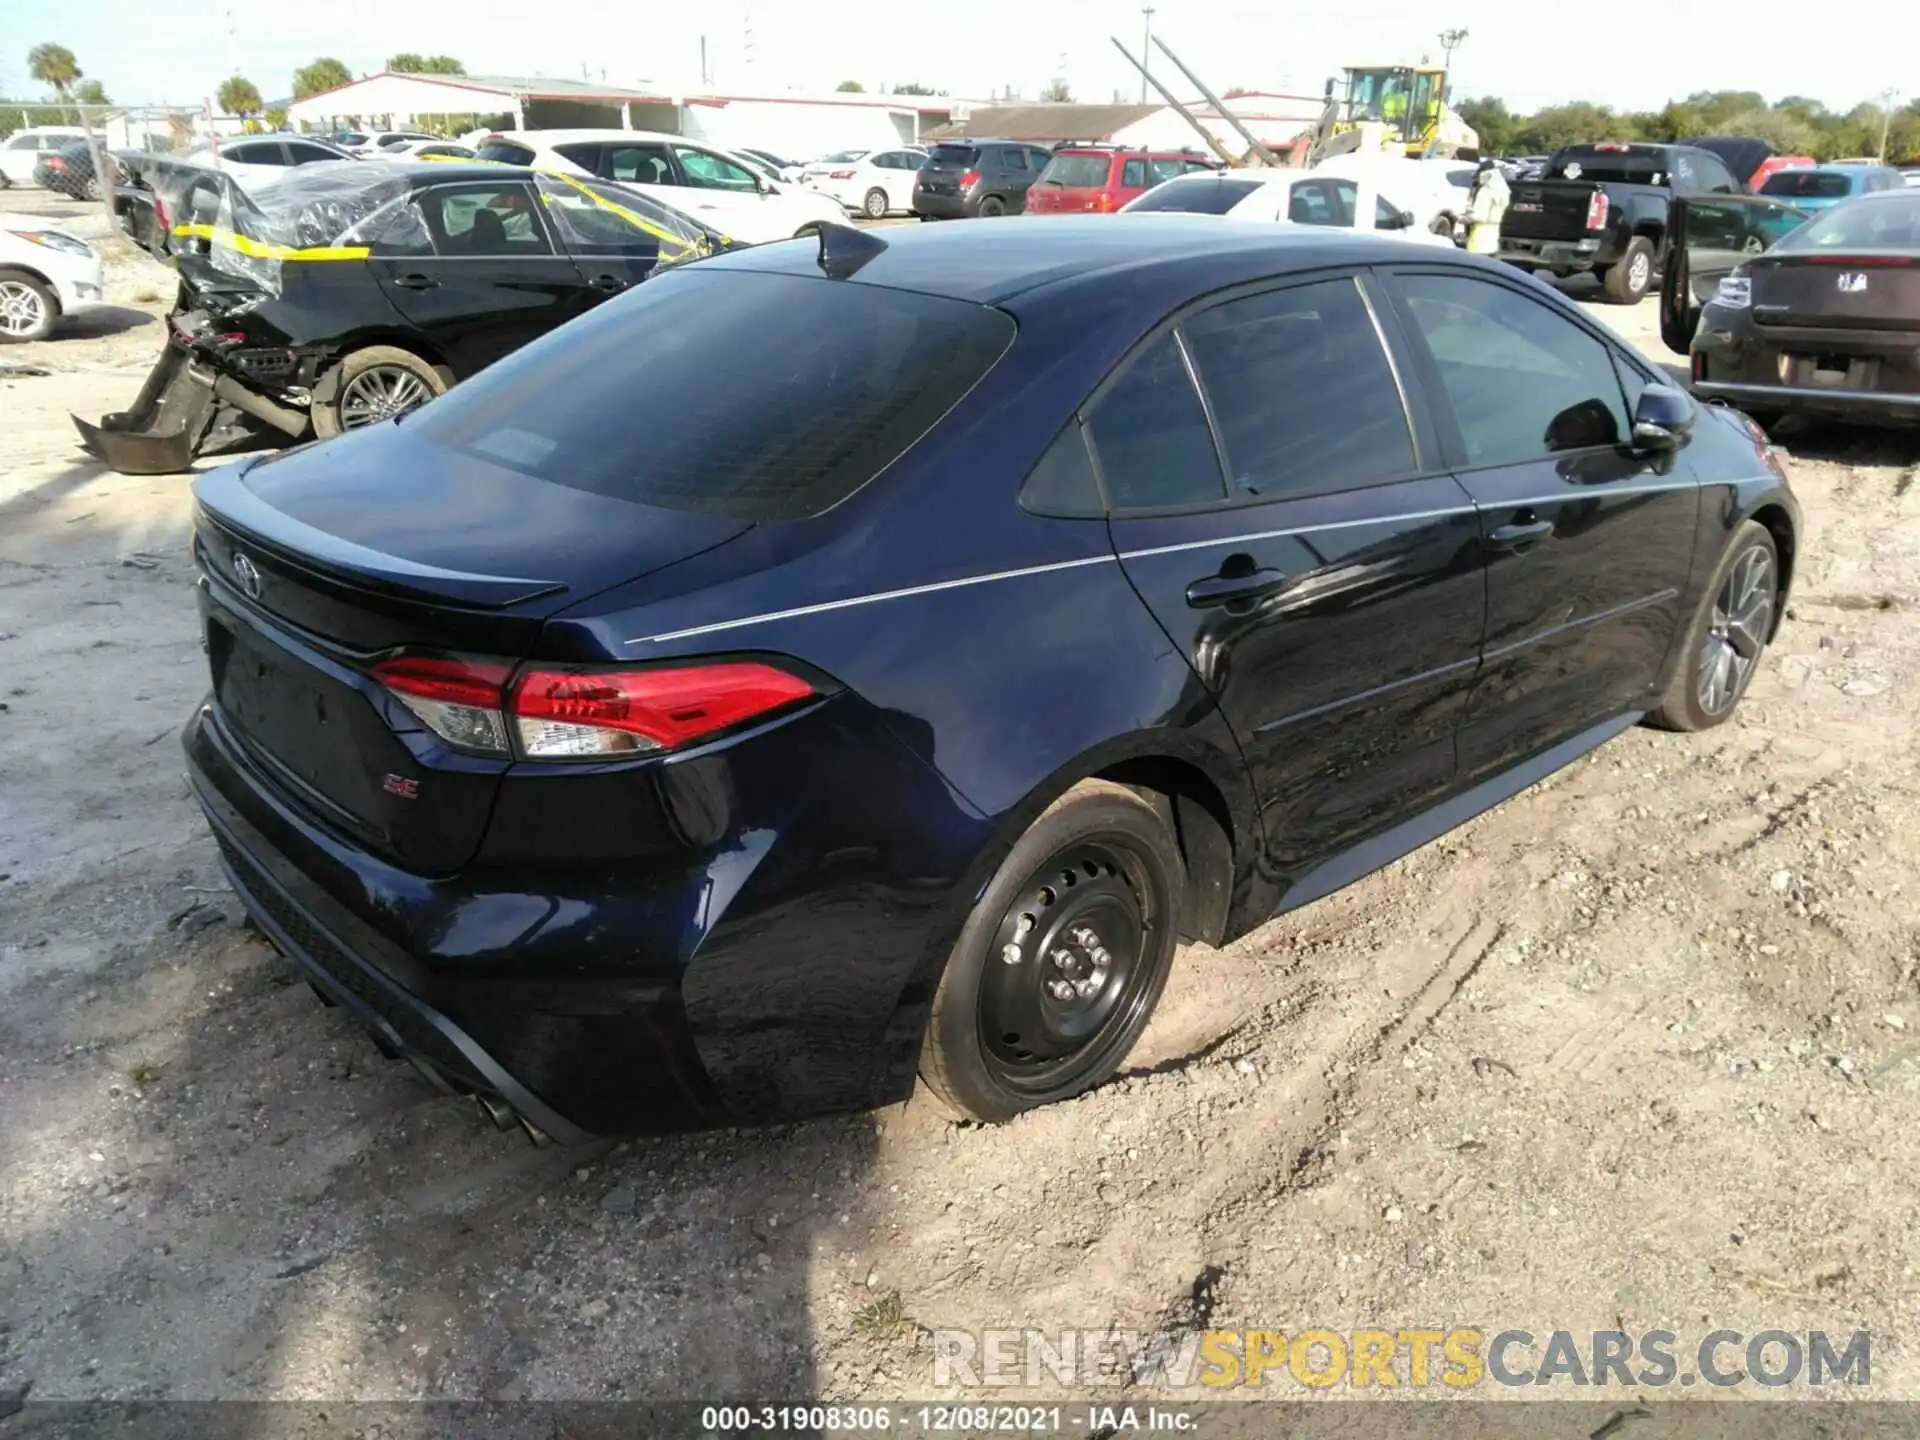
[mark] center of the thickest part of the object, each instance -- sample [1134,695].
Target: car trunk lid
[946,163]
[317,566]
[1860,291]
[1548,210]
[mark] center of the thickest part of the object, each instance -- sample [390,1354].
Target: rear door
[479,274]
[1589,541]
[897,169]
[1290,522]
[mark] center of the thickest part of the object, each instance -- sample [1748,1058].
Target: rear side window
[641,398]
[1081,172]
[1151,437]
[1063,484]
[1805,185]
[483,219]
[1196,195]
[1012,159]
[503,152]
[1301,390]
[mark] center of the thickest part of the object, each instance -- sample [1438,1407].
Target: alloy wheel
[379,393]
[1737,631]
[1070,974]
[22,311]
[1640,272]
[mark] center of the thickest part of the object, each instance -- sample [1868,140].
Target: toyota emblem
[248,574]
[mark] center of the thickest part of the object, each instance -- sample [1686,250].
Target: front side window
[636,164]
[483,220]
[1522,382]
[596,219]
[1150,434]
[1196,195]
[709,171]
[1321,202]
[1301,390]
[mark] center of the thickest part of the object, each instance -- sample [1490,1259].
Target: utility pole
[1887,97]
[1146,46]
[1450,42]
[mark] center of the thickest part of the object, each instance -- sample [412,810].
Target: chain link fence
[56,152]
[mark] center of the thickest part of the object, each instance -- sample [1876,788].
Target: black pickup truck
[1603,208]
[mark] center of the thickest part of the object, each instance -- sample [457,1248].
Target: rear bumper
[1571,255]
[576,1057]
[1839,374]
[941,206]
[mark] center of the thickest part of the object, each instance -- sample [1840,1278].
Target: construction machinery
[1402,109]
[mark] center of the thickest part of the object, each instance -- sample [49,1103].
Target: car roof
[604,132]
[991,261]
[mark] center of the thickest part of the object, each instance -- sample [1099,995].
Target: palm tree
[54,65]
[239,96]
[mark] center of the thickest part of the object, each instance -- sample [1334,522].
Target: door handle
[1519,534]
[608,283]
[1232,589]
[417,282]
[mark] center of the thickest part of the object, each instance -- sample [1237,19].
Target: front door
[1708,238]
[1588,540]
[1297,536]
[478,274]
[617,237]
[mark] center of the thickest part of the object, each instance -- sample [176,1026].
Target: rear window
[1805,185]
[504,152]
[642,398]
[1628,167]
[1083,172]
[954,155]
[1196,195]
[1870,223]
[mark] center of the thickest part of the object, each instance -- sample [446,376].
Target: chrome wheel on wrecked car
[1742,617]
[380,393]
[24,311]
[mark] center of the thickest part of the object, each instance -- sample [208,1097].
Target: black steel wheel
[1062,960]
[1728,636]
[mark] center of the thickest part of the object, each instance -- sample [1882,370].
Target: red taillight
[459,700]
[1597,211]
[839,175]
[1104,203]
[581,712]
[613,712]
[970,177]
[54,162]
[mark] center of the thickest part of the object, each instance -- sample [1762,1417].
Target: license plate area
[1825,370]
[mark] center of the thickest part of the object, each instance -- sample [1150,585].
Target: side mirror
[1406,220]
[1662,415]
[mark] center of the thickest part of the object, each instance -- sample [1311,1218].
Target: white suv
[713,185]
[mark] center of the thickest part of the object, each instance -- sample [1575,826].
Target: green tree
[276,117]
[1492,121]
[1058,92]
[1547,130]
[914,90]
[326,73]
[408,63]
[54,65]
[851,87]
[91,92]
[238,96]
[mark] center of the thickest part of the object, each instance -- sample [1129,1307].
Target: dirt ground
[1635,1050]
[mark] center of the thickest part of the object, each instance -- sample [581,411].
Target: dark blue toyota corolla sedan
[837,662]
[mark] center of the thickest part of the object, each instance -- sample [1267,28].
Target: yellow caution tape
[666,237]
[260,250]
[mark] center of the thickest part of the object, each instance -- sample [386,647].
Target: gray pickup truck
[1603,209]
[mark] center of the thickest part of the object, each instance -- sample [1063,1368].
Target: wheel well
[1774,517]
[30,273]
[1202,824]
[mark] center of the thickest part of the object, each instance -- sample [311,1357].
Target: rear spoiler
[223,498]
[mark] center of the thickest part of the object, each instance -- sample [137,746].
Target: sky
[1635,58]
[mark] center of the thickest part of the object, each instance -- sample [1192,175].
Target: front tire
[1631,276]
[28,309]
[876,204]
[376,384]
[1061,961]
[1728,636]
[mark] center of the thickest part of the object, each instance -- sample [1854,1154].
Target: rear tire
[28,309]
[1085,903]
[1631,276]
[1728,636]
[992,205]
[377,384]
[876,204]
